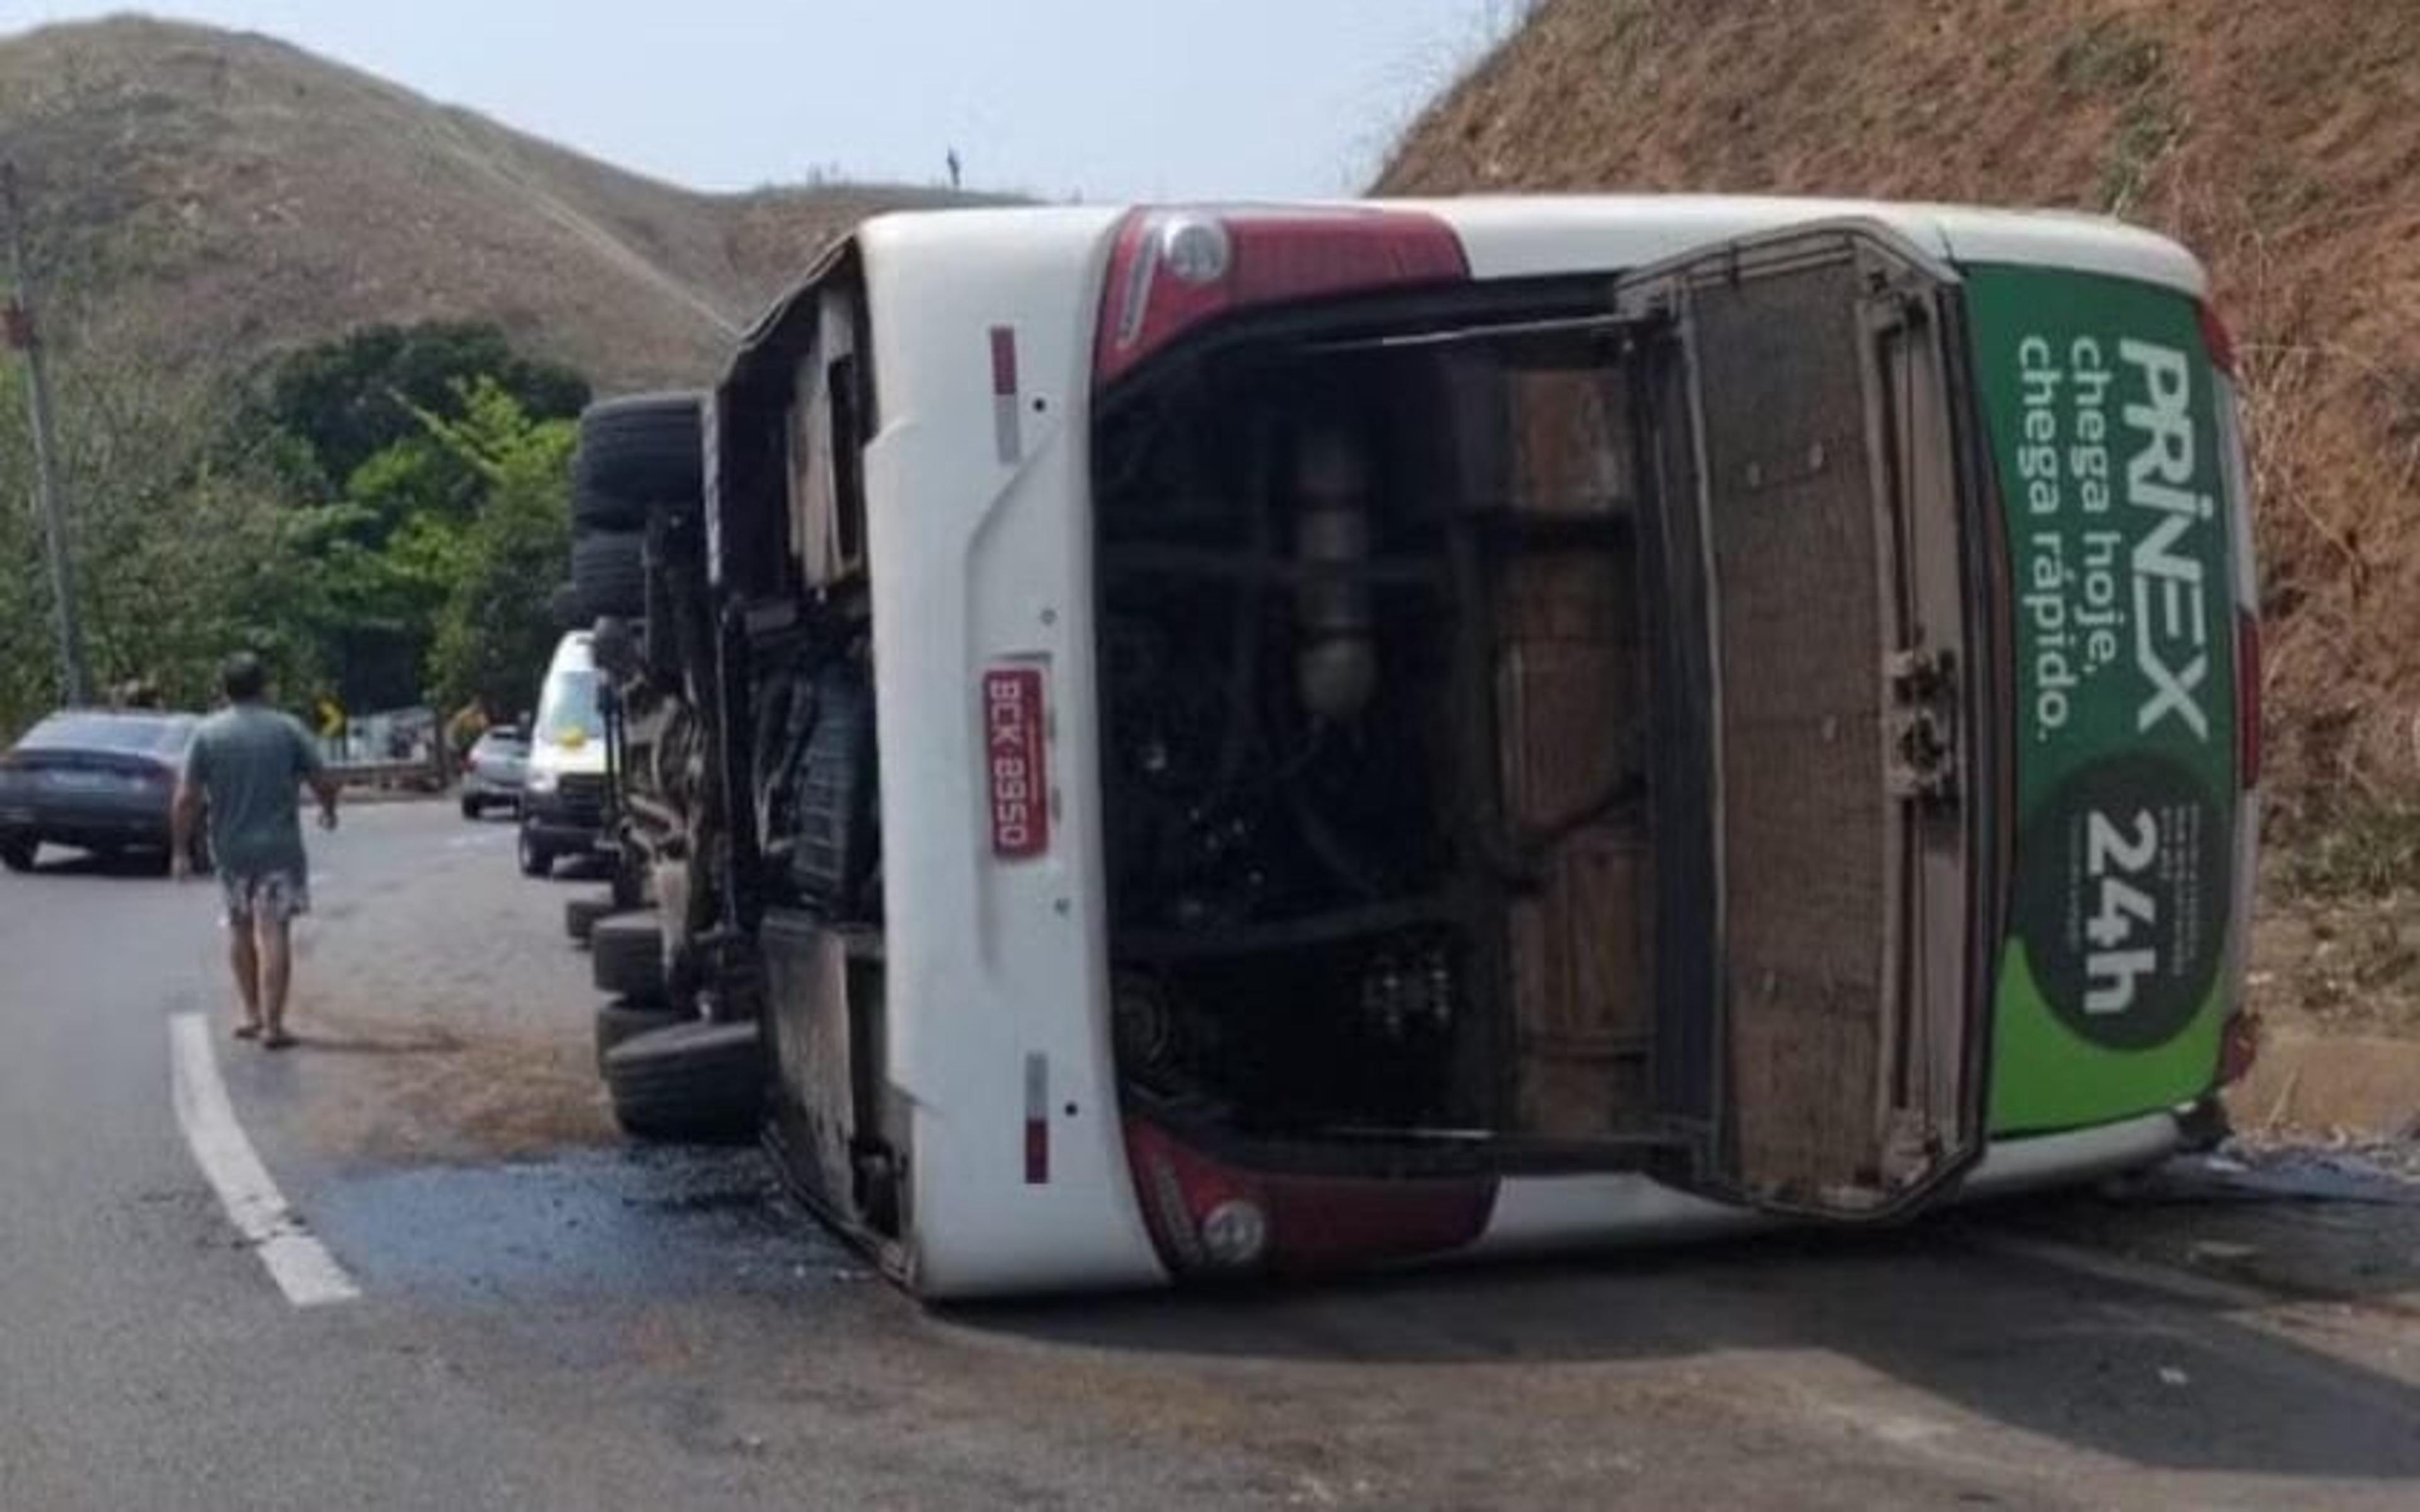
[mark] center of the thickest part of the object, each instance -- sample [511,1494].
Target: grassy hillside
[208,197]
[2281,141]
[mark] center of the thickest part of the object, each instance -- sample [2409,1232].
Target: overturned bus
[1196,742]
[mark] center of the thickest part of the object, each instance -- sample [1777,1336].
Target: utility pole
[27,338]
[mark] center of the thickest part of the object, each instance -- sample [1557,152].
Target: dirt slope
[2281,141]
[208,196]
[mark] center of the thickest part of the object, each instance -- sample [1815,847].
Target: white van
[565,790]
[1252,739]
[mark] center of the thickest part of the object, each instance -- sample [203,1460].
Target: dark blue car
[100,780]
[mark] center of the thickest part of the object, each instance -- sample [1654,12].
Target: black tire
[536,860]
[17,852]
[593,510]
[695,1081]
[609,571]
[638,451]
[627,958]
[472,808]
[579,914]
[620,1020]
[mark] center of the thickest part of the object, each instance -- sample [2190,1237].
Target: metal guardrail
[428,775]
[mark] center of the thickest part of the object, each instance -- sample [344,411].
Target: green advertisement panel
[2098,396]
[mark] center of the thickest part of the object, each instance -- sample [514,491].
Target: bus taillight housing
[1210,1217]
[1172,268]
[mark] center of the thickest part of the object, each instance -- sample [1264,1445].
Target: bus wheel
[620,1020]
[626,952]
[536,860]
[580,915]
[698,1083]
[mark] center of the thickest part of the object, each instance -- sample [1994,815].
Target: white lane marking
[300,1264]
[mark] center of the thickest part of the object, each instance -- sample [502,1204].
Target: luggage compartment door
[1812,502]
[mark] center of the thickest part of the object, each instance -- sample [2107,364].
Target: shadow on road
[2314,1226]
[414,1043]
[2095,1363]
[59,863]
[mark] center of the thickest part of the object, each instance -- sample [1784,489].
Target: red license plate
[1014,726]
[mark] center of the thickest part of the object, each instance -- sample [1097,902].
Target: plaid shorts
[279,893]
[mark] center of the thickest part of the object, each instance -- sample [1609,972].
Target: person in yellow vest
[467,724]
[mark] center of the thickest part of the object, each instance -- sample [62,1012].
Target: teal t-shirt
[247,760]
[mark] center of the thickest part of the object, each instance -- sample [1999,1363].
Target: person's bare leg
[276,971]
[245,962]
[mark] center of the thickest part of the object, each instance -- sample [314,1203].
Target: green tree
[378,428]
[344,402]
[383,557]
[494,631]
[398,540]
[183,550]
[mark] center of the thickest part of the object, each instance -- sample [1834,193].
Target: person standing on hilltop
[243,767]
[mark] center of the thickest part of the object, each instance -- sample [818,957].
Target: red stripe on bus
[1037,1152]
[1003,360]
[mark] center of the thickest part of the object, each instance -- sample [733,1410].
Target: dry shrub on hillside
[220,196]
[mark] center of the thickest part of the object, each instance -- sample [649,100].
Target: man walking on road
[243,765]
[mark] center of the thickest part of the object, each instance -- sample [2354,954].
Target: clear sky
[1102,98]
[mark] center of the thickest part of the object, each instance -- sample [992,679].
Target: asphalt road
[548,1319]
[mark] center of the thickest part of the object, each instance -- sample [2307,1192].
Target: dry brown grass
[210,198]
[2280,141]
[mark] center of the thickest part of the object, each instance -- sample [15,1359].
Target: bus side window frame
[834,401]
